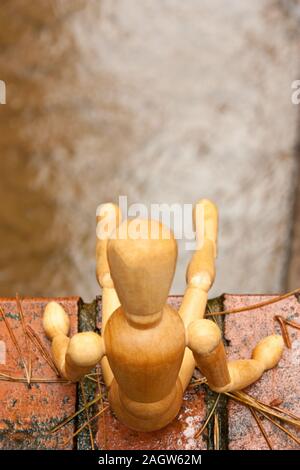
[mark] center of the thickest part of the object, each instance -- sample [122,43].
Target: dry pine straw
[270,412]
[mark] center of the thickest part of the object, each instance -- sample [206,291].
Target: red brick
[177,435]
[26,415]
[244,330]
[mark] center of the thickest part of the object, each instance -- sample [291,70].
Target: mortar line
[210,396]
[87,315]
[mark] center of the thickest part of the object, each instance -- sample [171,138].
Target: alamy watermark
[295,98]
[2,92]
[183,220]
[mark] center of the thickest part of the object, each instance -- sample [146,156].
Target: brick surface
[243,331]
[27,414]
[180,434]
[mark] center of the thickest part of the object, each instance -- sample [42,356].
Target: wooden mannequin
[148,350]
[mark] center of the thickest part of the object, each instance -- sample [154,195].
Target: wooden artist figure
[148,351]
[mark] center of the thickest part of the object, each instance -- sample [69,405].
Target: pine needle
[197,382]
[198,433]
[71,417]
[85,424]
[102,406]
[16,344]
[23,323]
[87,415]
[283,322]
[91,379]
[261,428]
[281,410]
[216,432]
[258,305]
[43,351]
[286,431]
[245,399]
[29,365]
[293,324]
[285,334]
[269,406]
[211,313]
[10,378]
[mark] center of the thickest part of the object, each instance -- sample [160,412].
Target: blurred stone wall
[160,100]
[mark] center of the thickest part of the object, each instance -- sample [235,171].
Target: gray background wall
[159,100]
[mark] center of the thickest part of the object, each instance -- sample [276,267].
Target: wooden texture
[76,356]
[200,276]
[108,217]
[142,262]
[204,339]
[180,434]
[145,342]
[144,338]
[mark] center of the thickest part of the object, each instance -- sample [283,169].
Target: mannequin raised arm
[74,357]
[200,273]
[204,341]
[200,276]
[108,218]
